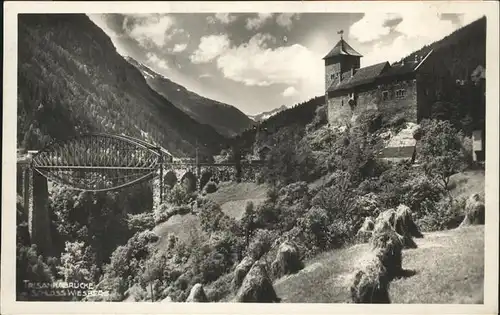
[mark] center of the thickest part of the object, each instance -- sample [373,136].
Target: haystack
[474,211]
[287,260]
[388,215]
[241,271]
[257,287]
[388,247]
[371,283]
[197,294]
[405,226]
[365,232]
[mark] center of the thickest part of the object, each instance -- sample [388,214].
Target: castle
[393,90]
[404,91]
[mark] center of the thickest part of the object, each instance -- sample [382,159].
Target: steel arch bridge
[98,162]
[104,162]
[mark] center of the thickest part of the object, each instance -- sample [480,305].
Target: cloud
[224,18]
[205,75]
[258,21]
[289,91]
[286,19]
[210,47]
[255,64]
[371,27]
[179,48]
[394,36]
[149,29]
[155,61]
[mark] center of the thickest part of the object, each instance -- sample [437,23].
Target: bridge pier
[36,201]
[158,187]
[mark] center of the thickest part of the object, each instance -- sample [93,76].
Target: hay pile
[197,294]
[388,247]
[384,263]
[287,260]
[257,286]
[474,211]
[405,226]
[365,232]
[241,271]
[401,221]
[371,284]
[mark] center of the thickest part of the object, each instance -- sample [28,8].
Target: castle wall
[372,97]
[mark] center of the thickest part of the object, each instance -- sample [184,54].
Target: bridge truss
[99,162]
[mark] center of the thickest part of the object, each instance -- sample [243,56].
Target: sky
[260,61]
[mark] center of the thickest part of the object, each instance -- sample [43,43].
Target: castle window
[332,76]
[400,94]
[385,95]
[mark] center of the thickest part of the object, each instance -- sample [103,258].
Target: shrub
[178,196]
[261,243]
[444,215]
[166,211]
[140,222]
[210,187]
[31,267]
[418,191]
[315,226]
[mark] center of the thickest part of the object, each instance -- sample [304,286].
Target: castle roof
[362,76]
[342,48]
[379,71]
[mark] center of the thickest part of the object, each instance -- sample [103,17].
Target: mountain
[226,119]
[265,115]
[71,80]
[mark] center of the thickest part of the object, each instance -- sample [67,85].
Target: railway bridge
[104,162]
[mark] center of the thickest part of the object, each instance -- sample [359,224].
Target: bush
[315,227]
[178,196]
[210,187]
[444,215]
[166,211]
[31,267]
[418,191]
[261,243]
[141,222]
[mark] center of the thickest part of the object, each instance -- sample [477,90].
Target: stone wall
[372,97]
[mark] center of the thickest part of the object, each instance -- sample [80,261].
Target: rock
[257,286]
[197,294]
[241,271]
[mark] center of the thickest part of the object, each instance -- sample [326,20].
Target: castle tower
[341,60]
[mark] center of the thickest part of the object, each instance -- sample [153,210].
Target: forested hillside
[226,119]
[71,80]
[299,115]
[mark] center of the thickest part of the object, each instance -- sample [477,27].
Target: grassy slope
[232,198]
[449,266]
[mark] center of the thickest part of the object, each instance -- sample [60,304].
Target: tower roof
[342,48]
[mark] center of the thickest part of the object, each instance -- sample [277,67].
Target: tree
[441,151]
[76,265]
